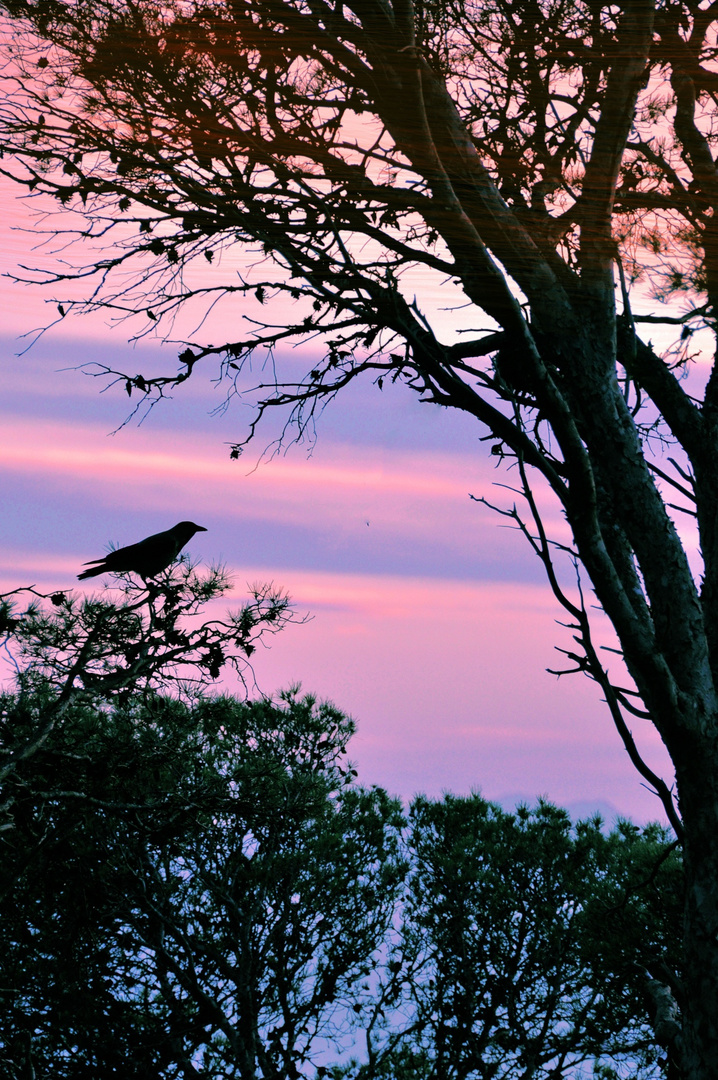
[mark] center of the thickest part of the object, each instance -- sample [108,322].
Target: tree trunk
[698,799]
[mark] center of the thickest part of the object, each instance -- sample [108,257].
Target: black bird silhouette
[147,558]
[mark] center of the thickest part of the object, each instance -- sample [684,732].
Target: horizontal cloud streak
[446,679]
[354,505]
[432,623]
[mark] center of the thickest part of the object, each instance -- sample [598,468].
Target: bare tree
[541,156]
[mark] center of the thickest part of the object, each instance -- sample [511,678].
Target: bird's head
[188,528]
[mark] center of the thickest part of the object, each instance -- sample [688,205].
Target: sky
[429,619]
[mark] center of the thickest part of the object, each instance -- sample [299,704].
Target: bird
[148,557]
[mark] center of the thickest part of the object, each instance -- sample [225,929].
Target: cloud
[446,679]
[431,623]
[351,503]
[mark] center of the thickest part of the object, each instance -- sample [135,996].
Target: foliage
[188,890]
[201,889]
[98,650]
[536,159]
[194,885]
[527,945]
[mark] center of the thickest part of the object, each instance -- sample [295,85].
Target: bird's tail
[92,572]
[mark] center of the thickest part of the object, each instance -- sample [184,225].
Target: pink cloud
[342,487]
[446,679]
[448,682]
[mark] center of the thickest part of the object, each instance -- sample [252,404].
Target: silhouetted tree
[99,650]
[188,890]
[529,948]
[189,884]
[199,888]
[525,154]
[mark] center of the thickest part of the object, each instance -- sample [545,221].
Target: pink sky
[431,623]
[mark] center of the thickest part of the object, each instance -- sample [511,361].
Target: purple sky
[431,623]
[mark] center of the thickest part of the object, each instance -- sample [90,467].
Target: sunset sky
[431,623]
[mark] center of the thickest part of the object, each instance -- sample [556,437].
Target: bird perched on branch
[147,558]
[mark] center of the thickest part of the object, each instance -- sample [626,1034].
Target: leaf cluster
[204,887]
[188,887]
[99,650]
[536,930]
[194,885]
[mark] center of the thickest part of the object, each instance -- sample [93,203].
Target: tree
[524,152]
[189,891]
[534,940]
[98,651]
[191,885]
[200,888]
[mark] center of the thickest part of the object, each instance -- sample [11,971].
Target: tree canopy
[98,650]
[194,885]
[527,943]
[551,163]
[189,891]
